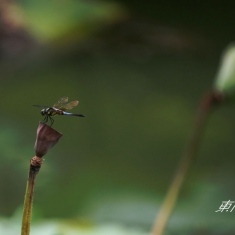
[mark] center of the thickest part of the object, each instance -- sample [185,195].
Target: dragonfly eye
[42,112]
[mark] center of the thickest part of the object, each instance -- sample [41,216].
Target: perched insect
[58,108]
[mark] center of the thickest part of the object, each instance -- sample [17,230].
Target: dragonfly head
[43,112]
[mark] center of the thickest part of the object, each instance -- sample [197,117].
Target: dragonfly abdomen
[73,114]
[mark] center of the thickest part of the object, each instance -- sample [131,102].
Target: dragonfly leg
[51,119]
[45,119]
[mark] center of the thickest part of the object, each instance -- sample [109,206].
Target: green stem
[28,201]
[185,162]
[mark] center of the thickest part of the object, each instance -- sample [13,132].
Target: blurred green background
[138,70]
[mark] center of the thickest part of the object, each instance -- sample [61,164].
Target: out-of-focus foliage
[128,216]
[69,227]
[225,80]
[71,20]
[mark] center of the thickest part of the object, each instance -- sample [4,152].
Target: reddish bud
[47,137]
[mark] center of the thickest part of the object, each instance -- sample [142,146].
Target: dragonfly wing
[61,102]
[69,106]
[40,106]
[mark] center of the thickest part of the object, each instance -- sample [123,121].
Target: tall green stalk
[47,137]
[186,160]
[28,200]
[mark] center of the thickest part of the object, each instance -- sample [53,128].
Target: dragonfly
[58,108]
